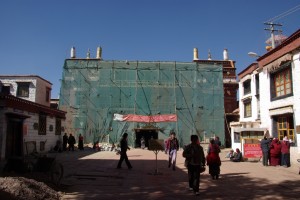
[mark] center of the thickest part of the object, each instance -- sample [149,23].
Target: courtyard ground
[92,174]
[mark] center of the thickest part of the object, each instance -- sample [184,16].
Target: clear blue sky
[36,35]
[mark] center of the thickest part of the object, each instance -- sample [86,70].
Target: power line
[284,14]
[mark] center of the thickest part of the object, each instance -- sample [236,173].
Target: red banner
[145,118]
[252,151]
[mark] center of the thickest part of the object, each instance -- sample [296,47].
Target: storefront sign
[252,151]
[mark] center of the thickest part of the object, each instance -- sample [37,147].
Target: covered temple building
[104,99]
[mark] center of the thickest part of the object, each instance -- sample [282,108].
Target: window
[48,90]
[247,87]
[57,126]
[23,89]
[42,124]
[247,109]
[237,137]
[281,83]
[252,134]
[285,127]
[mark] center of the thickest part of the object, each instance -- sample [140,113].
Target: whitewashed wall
[30,133]
[265,99]
[252,95]
[37,88]
[14,86]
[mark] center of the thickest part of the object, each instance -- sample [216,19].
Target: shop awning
[279,63]
[281,110]
[249,129]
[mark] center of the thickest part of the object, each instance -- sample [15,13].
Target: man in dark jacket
[265,148]
[196,160]
[123,153]
[71,142]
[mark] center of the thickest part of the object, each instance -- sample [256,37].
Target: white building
[26,119]
[270,97]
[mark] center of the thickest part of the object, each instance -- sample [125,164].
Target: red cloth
[275,153]
[145,118]
[213,158]
[285,147]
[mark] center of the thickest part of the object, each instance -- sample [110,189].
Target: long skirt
[274,160]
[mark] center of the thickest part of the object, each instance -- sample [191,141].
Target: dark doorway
[14,138]
[147,134]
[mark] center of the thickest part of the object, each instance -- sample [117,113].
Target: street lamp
[253,54]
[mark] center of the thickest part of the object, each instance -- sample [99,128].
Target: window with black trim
[247,87]
[23,89]
[281,83]
[42,124]
[247,109]
[57,126]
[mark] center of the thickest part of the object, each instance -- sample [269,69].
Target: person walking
[71,142]
[80,142]
[65,142]
[213,159]
[123,152]
[265,148]
[194,155]
[285,152]
[172,147]
[217,141]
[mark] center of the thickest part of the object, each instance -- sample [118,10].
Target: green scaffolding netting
[92,91]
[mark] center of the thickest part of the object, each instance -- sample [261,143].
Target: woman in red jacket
[213,159]
[285,152]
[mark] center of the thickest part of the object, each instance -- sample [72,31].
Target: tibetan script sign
[252,151]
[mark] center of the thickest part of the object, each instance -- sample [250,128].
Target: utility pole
[272,30]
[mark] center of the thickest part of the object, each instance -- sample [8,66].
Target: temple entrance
[147,134]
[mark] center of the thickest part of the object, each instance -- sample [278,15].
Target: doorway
[14,138]
[147,134]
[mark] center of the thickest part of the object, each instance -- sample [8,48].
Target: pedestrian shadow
[239,186]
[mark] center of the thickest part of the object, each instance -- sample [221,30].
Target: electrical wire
[284,14]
